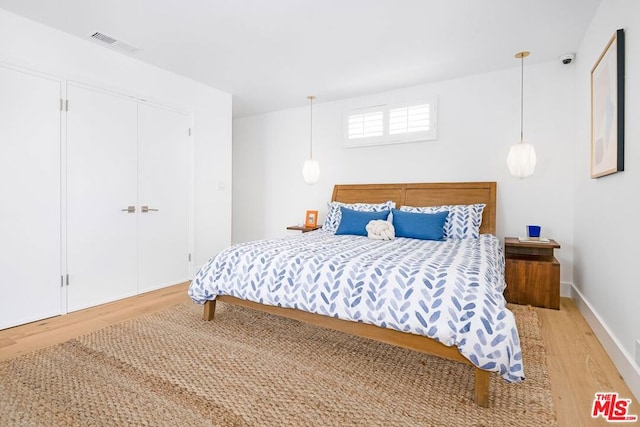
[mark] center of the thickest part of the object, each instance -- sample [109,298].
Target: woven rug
[252,369]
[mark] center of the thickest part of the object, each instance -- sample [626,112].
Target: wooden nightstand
[532,273]
[303,229]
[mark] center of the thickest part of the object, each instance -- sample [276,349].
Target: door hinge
[189,257]
[61,281]
[189,131]
[67,280]
[66,108]
[61,104]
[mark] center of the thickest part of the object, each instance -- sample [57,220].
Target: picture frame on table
[607,109]
[311,219]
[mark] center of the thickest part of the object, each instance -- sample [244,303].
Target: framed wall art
[607,109]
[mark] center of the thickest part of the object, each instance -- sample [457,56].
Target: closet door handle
[146,209]
[129,209]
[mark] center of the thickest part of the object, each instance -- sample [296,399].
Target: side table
[303,228]
[532,273]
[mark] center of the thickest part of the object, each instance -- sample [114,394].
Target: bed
[390,291]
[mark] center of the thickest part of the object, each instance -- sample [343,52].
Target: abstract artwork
[607,109]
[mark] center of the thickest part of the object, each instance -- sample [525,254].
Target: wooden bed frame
[427,194]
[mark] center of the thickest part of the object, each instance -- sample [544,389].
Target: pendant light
[311,167]
[522,156]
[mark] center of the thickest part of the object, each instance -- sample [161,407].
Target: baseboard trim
[622,360]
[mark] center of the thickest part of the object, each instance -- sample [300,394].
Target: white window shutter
[365,125]
[391,124]
[416,118]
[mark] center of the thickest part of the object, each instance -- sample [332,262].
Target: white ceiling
[271,54]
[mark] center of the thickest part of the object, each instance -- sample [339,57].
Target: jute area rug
[251,369]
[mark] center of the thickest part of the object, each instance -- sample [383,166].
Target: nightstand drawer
[533,281]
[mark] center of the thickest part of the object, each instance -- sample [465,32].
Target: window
[366,124]
[410,119]
[391,124]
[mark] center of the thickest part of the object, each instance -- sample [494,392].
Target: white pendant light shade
[521,160]
[311,171]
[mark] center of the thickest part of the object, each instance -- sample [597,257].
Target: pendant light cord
[521,97]
[311,129]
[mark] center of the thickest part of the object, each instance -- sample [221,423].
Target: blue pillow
[463,222]
[424,226]
[355,222]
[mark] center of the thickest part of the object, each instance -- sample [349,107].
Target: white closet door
[30,254]
[164,171]
[101,183]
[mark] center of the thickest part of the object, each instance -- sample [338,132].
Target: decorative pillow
[332,220]
[380,229]
[424,226]
[355,222]
[463,221]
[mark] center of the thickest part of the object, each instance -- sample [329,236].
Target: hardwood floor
[44,333]
[578,365]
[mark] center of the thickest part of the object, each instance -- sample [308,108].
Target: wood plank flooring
[578,365]
[44,333]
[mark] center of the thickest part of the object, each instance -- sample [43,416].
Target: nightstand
[303,228]
[532,273]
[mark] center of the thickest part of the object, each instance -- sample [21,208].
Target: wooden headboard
[425,194]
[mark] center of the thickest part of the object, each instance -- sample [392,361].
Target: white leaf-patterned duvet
[450,291]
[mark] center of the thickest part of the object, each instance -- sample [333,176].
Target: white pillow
[332,221]
[463,221]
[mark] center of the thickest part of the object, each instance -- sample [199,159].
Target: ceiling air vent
[114,43]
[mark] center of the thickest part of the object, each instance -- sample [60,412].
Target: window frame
[386,137]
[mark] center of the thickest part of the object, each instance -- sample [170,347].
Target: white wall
[479,118]
[607,210]
[35,46]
